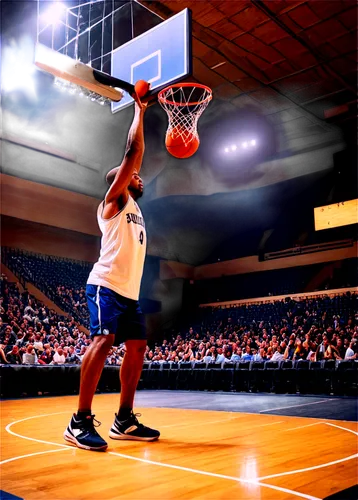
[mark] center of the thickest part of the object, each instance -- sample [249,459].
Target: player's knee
[104,341]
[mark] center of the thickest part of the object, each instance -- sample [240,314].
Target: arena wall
[48,240]
[252,265]
[34,202]
[54,221]
[275,298]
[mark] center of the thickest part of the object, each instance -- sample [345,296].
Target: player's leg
[131,370]
[126,425]
[91,369]
[81,430]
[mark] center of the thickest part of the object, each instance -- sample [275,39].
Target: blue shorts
[113,313]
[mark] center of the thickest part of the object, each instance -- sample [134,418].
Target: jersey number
[141,237]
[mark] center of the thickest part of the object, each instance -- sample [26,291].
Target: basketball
[141,87]
[177,147]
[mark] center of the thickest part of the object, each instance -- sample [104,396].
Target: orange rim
[161,97]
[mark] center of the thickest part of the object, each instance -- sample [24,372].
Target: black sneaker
[132,429]
[83,434]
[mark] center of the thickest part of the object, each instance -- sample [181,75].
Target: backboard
[160,56]
[99,48]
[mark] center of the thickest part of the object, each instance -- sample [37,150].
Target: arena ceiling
[293,58]
[283,54]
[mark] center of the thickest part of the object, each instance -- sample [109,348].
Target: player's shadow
[175,445]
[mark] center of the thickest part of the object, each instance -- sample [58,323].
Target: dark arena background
[250,284]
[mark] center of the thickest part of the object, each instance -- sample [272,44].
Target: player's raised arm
[117,194]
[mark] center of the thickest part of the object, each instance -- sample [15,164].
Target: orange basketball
[177,147]
[141,87]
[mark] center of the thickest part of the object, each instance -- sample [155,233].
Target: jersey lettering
[136,219]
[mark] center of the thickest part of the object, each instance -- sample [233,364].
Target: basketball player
[112,295]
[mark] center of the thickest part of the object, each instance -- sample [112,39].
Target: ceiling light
[253,142]
[234,147]
[244,144]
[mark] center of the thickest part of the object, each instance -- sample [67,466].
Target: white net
[184,104]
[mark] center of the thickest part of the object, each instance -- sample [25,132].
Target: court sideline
[245,446]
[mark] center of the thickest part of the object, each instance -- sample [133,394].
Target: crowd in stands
[61,280]
[31,333]
[313,329]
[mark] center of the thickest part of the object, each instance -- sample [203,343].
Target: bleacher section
[62,280]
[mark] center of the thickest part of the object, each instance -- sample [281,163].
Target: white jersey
[123,249]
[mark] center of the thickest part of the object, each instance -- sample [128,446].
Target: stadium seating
[285,346]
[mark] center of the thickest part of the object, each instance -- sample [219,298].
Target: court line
[314,467]
[162,407]
[264,425]
[32,455]
[213,474]
[343,428]
[220,421]
[297,471]
[303,426]
[178,467]
[297,406]
[7,428]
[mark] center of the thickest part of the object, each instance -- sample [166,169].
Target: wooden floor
[201,454]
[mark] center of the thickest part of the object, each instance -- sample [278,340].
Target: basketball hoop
[184,103]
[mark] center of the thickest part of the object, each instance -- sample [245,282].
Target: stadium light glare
[82,92]
[244,145]
[18,68]
[54,13]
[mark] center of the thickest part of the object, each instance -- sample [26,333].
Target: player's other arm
[117,194]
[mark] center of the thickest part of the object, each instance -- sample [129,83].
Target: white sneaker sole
[68,437]
[122,437]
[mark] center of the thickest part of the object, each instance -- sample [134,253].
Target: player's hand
[141,106]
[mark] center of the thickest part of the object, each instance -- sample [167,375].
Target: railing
[304,377]
[320,247]
[275,298]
